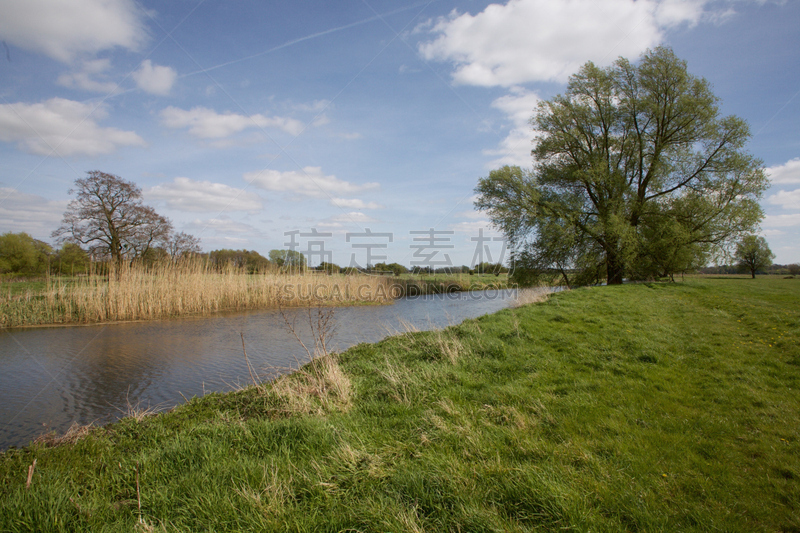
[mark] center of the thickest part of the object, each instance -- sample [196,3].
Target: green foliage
[490,268]
[554,416]
[71,259]
[330,268]
[395,268]
[289,260]
[794,269]
[753,254]
[249,259]
[22,254]
[636,173]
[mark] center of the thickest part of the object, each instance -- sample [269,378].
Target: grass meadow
[647,407]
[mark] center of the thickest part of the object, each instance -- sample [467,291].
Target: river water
[52,377]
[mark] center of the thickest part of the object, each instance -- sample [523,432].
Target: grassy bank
[169,290]
[663,407]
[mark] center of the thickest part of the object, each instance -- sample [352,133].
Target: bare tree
[108,217]
[181,244]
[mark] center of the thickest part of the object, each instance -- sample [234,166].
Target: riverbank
[650,407]
[139,293]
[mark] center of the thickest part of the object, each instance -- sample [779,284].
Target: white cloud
[353,216]
[66,126]
[86,77]
[63,29]
[317,106]
[345,219]
[515,148]
[310,181]
[185,194]
[542,40]
[788,173]
[781,221]
[473,227]
[29,213]
[354,203]
[154,79]
[221,225]
[786,199]
[475,215]
[208,124]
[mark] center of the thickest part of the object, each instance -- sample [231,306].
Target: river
[54,376]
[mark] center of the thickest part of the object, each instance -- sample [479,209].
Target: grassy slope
[665,407]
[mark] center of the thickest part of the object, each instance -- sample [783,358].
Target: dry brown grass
[75,433]
[531,295]
[137,292]
[321,385]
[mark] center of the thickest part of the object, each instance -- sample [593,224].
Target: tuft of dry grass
[75,433]
[321,385]
[531,295]
[449,346]
[136,411]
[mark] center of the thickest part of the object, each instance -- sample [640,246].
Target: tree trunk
[614,269]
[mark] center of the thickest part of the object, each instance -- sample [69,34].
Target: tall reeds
[139,292]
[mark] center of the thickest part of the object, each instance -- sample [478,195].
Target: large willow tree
[635,173]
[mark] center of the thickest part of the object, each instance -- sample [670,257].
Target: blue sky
[243,120]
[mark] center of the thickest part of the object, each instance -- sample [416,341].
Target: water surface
[52,377]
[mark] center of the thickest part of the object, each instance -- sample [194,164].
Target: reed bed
[138,292]
[413,285]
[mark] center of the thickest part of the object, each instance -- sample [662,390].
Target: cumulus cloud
[786,199]
[206,123]
[64,29]
[473,227]
[29,213]
[515,148]
[221,225]
[90,77]
[154,79]
[354,203]
[541,40]
[310,181]
[781,221]
[786,174]
[348,218]
[185,194]
[64,126]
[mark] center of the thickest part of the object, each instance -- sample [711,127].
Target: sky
[353,128]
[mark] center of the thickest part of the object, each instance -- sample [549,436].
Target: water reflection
[52,377]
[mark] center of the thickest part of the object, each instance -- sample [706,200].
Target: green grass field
[650,407]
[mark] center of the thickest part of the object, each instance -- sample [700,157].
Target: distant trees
[490,268]
[109,219]
[794,269]
[22,254]
[753,253]
[394,268]
[71,259]
[250,260]
[330,268]
[288,260]
[181,245]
